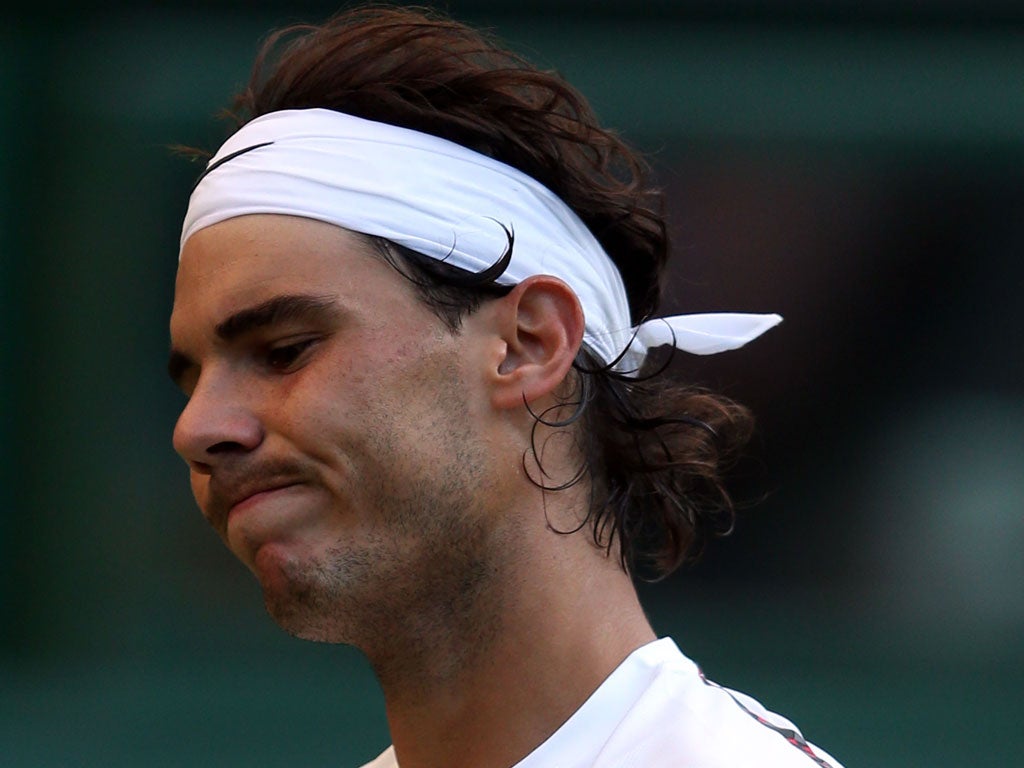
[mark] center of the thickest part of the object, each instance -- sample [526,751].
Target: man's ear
[541,323]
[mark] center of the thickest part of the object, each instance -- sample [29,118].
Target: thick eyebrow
[280,309]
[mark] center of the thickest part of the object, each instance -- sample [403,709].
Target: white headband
[446,202]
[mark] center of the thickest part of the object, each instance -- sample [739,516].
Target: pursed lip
[249,494]
[225,497]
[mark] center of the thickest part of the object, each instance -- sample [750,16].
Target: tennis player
[417,293]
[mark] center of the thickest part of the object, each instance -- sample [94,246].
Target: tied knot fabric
[446,202]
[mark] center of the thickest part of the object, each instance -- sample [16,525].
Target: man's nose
[217,423]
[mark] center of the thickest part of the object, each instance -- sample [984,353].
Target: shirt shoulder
[684,719]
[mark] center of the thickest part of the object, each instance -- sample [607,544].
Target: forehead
[250,259]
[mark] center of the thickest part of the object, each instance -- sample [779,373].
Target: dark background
[856,167]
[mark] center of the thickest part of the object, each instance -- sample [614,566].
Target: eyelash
[291,351]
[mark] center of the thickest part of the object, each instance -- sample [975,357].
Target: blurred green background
[857,167]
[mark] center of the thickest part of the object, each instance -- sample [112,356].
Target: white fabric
[656,710]
[446,202]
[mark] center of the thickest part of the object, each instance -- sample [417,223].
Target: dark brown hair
[655,451]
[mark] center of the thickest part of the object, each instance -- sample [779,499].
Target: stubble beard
[422,590]
[418,610]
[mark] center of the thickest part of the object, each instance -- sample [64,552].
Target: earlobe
[541,322]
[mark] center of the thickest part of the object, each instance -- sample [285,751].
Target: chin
[302,615]
[303,627]
[297,601]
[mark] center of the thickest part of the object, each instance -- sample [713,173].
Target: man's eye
[283,357]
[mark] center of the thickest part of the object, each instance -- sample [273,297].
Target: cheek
[321,412]
[349,405]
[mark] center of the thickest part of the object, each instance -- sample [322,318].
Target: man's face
[336,431]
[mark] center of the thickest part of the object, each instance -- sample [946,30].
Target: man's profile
[416,294]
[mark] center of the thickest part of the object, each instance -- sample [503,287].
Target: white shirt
[657,710]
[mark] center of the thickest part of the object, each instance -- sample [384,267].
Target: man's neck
[486,694]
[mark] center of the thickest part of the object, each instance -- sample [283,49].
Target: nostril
[225,446]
